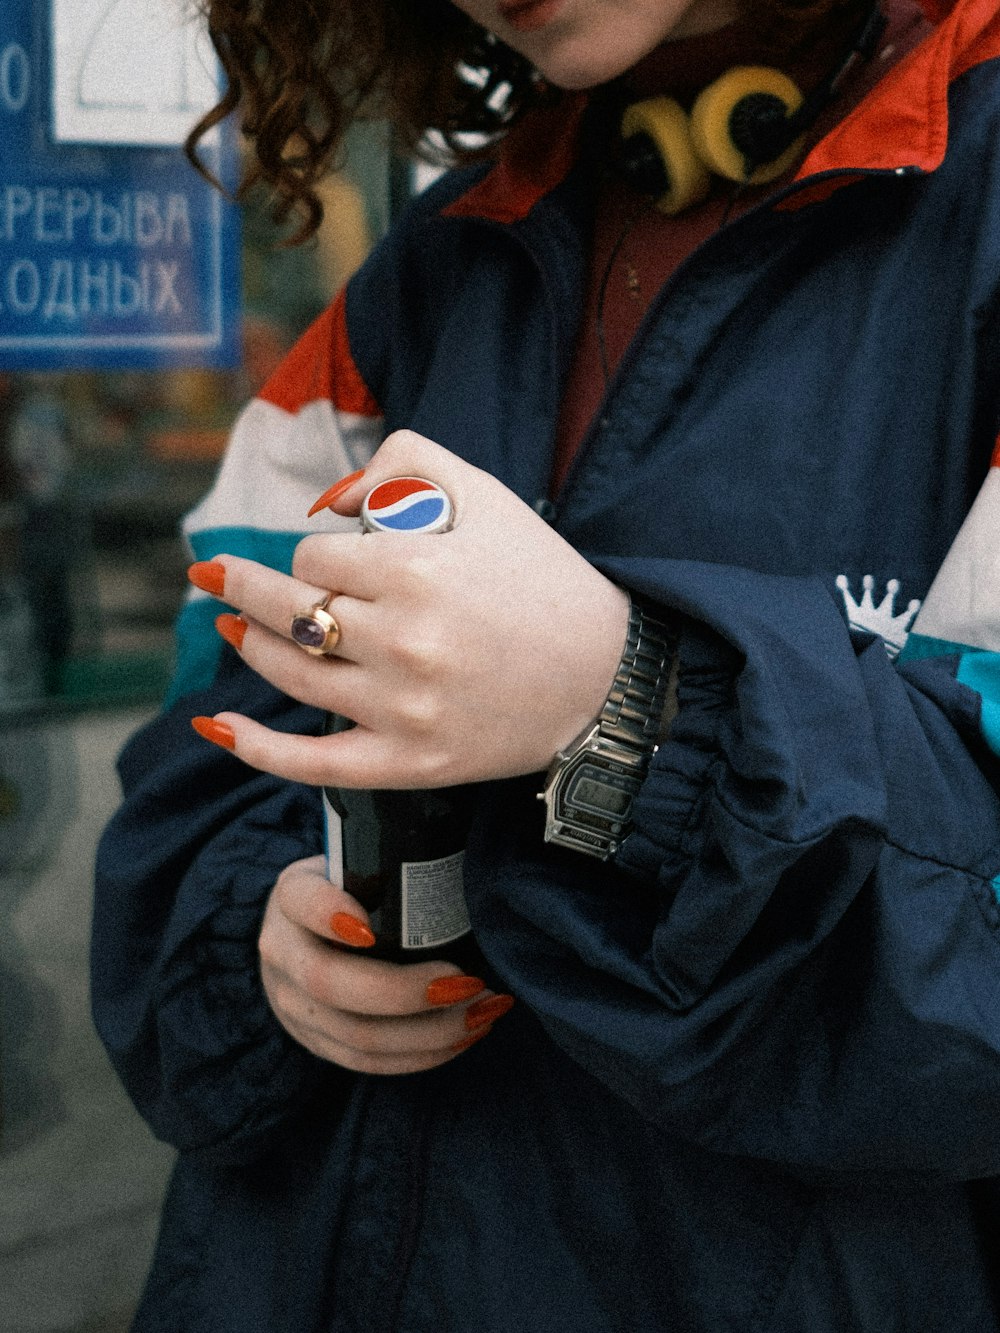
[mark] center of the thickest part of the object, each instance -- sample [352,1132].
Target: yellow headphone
[748,127]
[742,127]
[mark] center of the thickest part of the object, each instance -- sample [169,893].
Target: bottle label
[434,910]
[334,842]
[432,897]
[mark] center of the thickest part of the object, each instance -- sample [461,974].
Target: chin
[576,75]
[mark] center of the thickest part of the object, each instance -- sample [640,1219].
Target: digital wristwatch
[591,785]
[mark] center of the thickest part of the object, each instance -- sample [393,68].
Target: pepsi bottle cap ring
[407,504]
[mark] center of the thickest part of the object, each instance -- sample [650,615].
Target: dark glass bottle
[401,854]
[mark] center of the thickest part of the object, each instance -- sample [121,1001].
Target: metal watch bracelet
[634,707]
[590,786]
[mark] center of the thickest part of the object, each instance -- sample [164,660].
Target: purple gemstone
[308,632]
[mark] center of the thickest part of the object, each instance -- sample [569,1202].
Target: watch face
[600,797]
[589,796]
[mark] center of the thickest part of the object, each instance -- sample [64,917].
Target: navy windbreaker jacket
[753,1079]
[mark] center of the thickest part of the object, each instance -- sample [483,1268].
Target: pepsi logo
[406,504]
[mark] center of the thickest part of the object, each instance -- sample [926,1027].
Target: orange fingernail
[488,1010]
[471,1041]
[217,732]
[450,990]
[232,629]
[209,576]
[338,488]
[351,931]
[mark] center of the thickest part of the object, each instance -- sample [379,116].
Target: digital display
[601,797]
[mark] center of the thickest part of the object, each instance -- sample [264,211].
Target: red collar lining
[536,156]
[903,122]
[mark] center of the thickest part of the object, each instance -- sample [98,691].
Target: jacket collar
[536,156]
[903,122]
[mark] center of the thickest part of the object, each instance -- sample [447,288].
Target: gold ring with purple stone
[315,630]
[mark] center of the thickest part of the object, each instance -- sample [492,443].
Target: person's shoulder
[437,189]
[415,250]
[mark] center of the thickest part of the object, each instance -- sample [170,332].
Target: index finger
[353,564]
[264,592]
[355,758]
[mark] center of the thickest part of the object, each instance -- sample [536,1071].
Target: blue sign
[110,256]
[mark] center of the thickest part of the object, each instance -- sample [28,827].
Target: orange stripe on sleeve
[320,366]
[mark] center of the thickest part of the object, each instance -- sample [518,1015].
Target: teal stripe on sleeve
[198,649]
[922,645]
[198,644]
[981,672]
[274,549]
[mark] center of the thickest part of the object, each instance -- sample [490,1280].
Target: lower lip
[530,17]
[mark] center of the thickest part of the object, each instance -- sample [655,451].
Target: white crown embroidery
[893,630]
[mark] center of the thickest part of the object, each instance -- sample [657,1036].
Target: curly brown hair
[300,72]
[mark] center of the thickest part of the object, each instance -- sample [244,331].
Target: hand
[469,655]
[362,1013]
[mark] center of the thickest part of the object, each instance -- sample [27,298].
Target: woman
[743,1070]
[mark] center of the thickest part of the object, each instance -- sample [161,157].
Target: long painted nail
[232,629]
[349,930]
[471,1041]
[216,732]
[450,990]
[337,489]
[488,1010]
[209,576]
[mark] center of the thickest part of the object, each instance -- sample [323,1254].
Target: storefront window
[100,456]
[97,467]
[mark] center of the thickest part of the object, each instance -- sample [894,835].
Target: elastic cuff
[666,812]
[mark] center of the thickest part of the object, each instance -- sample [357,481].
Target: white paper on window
[132,72]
